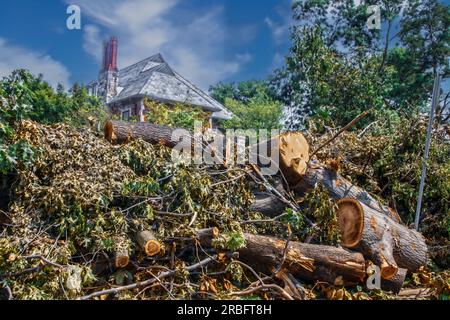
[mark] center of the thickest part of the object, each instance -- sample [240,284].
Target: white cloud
[244,57]
[91,41]
[14,57]
[280,31]
[194,43]
[280,24]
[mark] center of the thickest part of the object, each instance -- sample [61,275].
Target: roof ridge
[161,66]
[143,60]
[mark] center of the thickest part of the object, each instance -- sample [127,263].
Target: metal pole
[434,103]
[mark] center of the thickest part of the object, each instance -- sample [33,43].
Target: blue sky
[205,40]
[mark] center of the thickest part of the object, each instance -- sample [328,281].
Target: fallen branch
[348,126]
[147,282]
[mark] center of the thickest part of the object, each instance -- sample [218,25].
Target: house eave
[161,100]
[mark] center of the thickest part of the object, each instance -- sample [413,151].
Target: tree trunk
[291,157]
[122,132]
[148,243]
[269,205]
[307,261]
[387,243]
[339,188]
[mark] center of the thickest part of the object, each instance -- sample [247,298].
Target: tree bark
[206,236]
[118,132]
[339,188]
[267,204]
[387,243]
[307,261]
[395,284]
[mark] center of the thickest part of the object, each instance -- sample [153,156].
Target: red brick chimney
[110,49]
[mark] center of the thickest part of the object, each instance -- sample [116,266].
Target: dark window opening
[126,115]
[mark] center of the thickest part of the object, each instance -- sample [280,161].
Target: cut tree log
[119,132]
[121,259]
[148,243]
[395,284]
[339,188]
[206,236]
[293,155]
[306,261]
[293,147]
[387,243]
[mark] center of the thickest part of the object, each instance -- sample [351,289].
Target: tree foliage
[24,96]
[337,68]
[176,116]
[260,112]
[425,32]
[252,104]
[241,91]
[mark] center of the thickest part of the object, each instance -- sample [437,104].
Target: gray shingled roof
[155,79]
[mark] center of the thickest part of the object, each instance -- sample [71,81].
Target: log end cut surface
[350,221]
[109,131]
[294,155]
[121,261]
[152,248]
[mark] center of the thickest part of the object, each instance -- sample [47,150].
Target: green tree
[24,96]
[319,81]
[338,68]
[252,103]
[15,105]
[425,32]
[344,23]
[259,112]
[241,91]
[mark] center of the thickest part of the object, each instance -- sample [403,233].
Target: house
[123,91]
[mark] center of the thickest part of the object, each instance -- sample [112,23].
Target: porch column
[141,111]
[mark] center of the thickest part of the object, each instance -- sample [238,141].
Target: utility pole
[434,103]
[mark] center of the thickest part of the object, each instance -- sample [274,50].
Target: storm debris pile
[93,220]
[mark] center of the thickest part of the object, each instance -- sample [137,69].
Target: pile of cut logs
[370,231]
